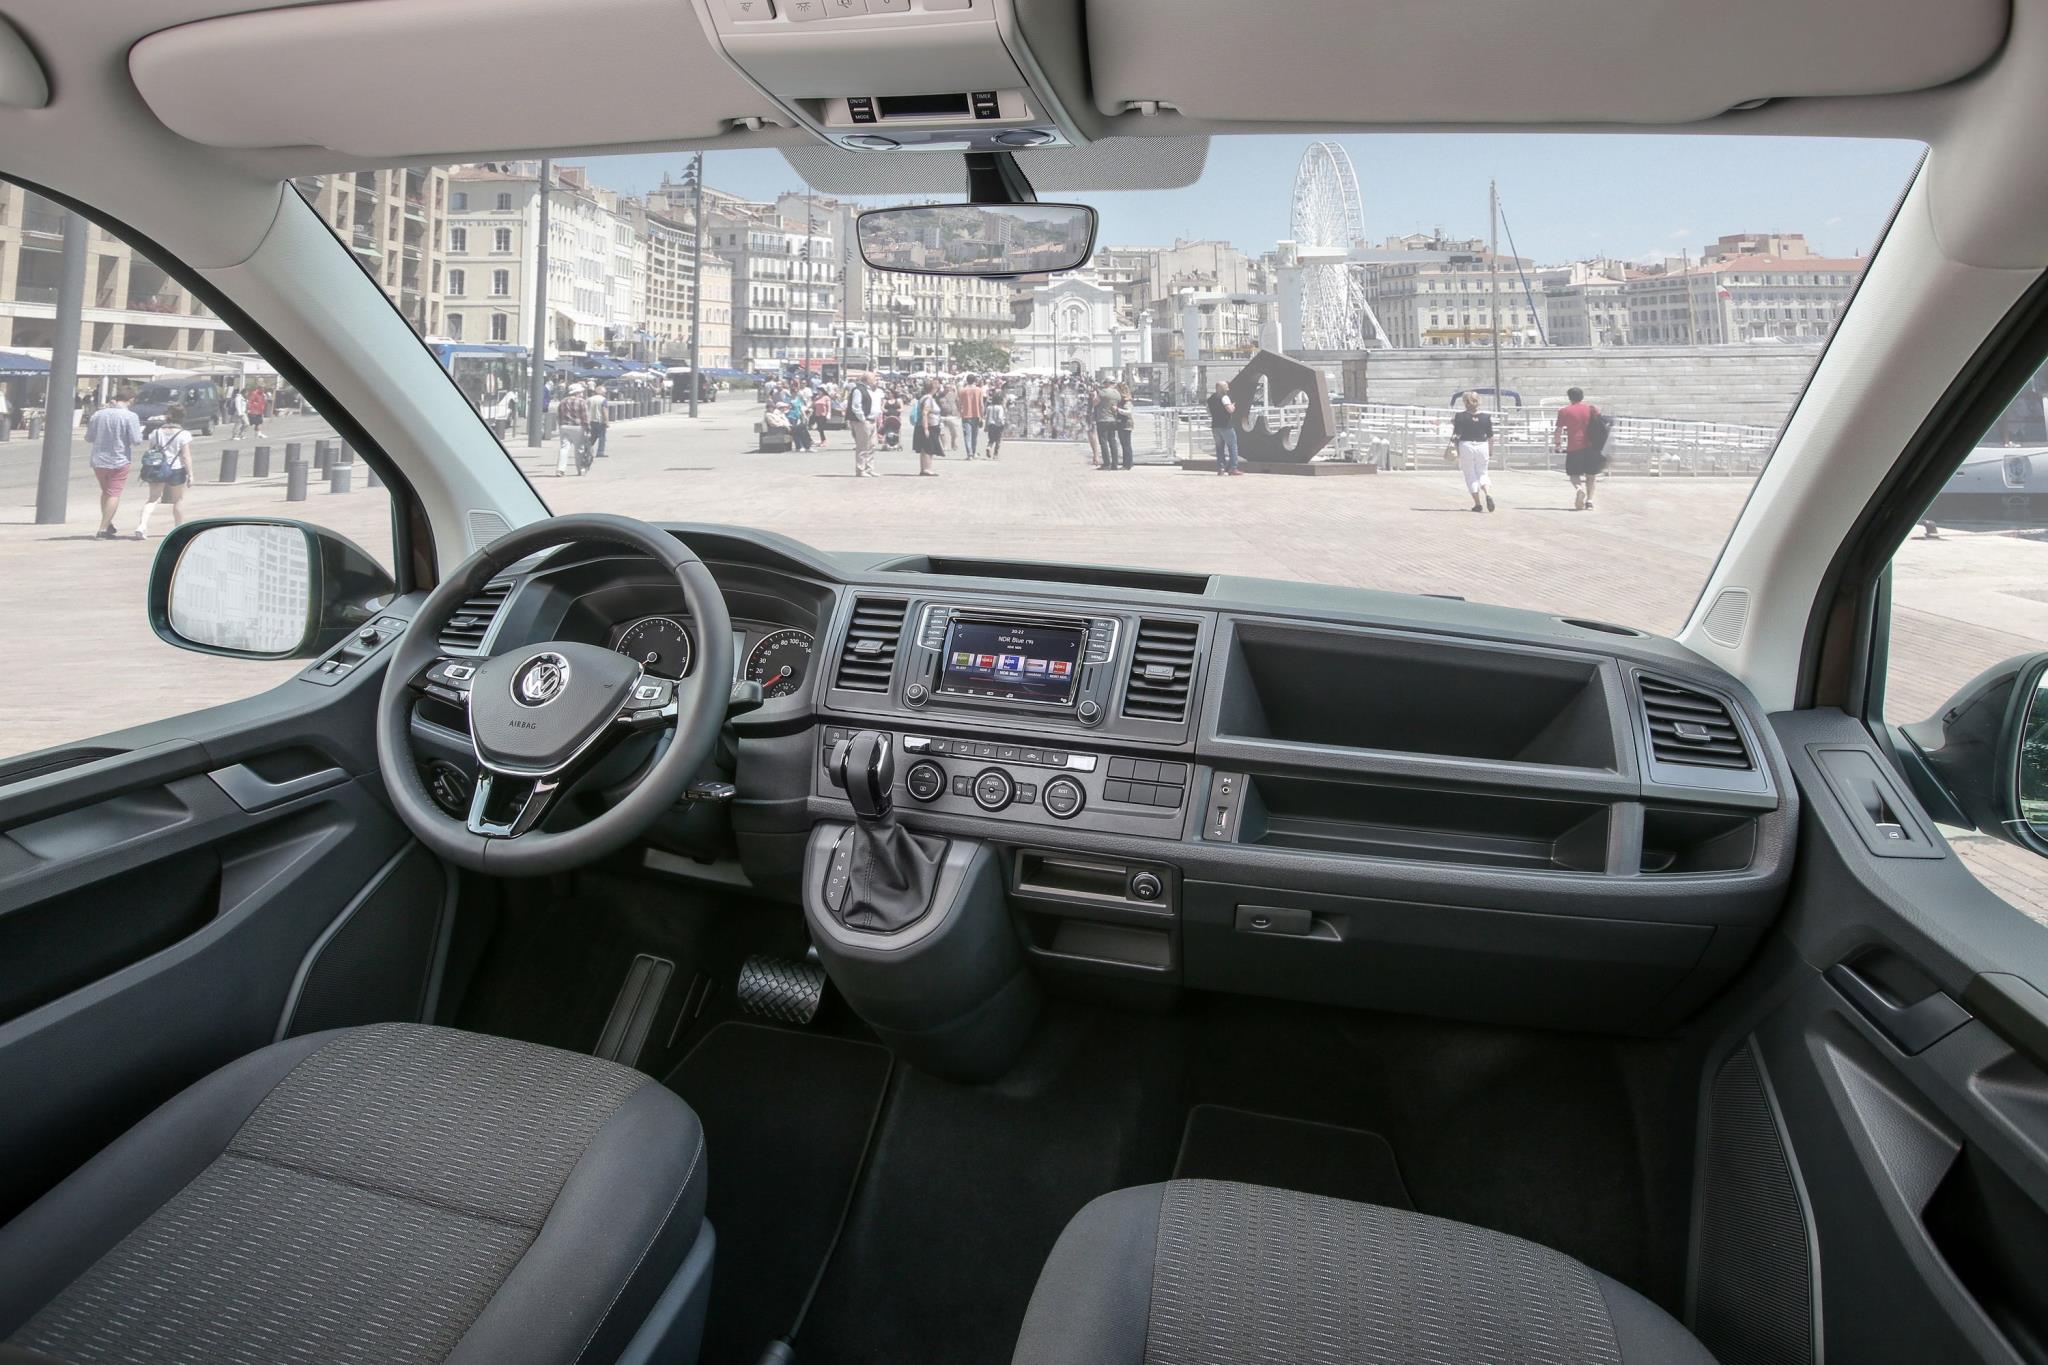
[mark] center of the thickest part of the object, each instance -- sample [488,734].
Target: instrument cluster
[777,657]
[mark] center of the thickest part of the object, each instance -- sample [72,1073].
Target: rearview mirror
[257,589]
[977,239]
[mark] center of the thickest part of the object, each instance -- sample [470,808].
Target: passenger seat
[1207,1272]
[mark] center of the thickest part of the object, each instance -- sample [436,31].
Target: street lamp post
[537,381]
[53,477]
[696,270]
[810,226]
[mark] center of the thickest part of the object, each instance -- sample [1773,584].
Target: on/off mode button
[1062,798]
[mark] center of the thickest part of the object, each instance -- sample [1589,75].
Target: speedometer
[659,643]
[780,662]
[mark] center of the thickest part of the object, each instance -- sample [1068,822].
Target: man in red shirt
[971,412]
[1583,461]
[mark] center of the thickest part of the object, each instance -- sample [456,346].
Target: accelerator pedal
[779,989]
[633,1011]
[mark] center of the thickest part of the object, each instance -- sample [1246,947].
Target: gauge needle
[776,677]
[653,657]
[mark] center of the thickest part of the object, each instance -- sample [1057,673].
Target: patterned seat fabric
[367,1210]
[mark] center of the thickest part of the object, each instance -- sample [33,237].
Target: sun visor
[1157,163]
[1454,62]
[388,79]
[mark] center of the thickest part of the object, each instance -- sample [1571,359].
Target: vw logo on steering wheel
[540,680]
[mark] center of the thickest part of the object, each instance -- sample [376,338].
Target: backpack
[1599,431]
[156,461]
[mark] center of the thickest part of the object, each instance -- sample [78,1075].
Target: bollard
[322,456]
[229,460]
[259,463]
[295,476]
[347,453]
[337,477]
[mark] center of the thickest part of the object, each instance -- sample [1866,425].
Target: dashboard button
[1031,755]
[963,785]
[993,789]
[983,751]
[1026,794]
[1176,773]
[1145,886]
[926,780]
[1122,767]
[1063,798]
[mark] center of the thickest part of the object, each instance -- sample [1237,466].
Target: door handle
[1912,1028]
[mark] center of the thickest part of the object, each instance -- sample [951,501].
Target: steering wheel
[542,715]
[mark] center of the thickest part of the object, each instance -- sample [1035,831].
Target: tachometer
[660,644]
[780,662]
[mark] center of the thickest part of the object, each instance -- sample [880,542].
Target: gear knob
[865,767]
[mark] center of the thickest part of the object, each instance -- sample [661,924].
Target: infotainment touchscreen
[1012,661]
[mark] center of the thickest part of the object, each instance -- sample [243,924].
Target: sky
[1565,197]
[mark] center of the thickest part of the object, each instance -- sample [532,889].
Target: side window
[1970,590]
[82,521]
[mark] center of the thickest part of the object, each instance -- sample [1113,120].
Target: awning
[14,362]
[97,365]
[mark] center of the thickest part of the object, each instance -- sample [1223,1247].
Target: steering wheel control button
[993,789]
[459,672]
[1063,798]
[926,780]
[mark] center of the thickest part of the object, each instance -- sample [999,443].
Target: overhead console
[892,75]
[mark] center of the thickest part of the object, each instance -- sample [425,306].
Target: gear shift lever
[889,872]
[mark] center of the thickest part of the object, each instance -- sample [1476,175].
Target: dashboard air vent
[1162,667]
[466,629]
[869,654]
[1691,729]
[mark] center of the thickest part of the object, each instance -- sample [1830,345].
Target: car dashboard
[1292,790]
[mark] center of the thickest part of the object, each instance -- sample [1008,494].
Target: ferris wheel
[1328,222]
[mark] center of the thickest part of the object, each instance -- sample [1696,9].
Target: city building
[130,304]
[1072,327]
[664,288]
[493,227]
[915,322]
[784,285]
[1790,246]
[1739,299]
[1447,297]
[395,223]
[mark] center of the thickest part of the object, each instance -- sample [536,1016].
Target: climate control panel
[1033,783]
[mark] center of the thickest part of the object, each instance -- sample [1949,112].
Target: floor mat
[969,1186]
[1221,1143]
[786,1117]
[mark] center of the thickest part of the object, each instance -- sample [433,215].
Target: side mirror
[1988,748]
[257,589]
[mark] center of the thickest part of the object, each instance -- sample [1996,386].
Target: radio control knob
[926,780]
[1063,798]
[1089,711]
[993,789]
[915,694]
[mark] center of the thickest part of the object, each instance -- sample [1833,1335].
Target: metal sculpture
[1259,439]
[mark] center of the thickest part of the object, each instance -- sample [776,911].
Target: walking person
[6,416]
[114,432]
[1125,420]
[1103,415]
[949,420]
[241,402]
[998,417]
[1581,433]
[1472,445]
[166,468]
[572,415]
[821,413]
[924,429]
[1223,428]
[798,413]
[861,408]
[599,422]
[259,408]
[973,409]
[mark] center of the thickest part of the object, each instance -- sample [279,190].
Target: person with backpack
[997,411]
[1581,432]
[166,469]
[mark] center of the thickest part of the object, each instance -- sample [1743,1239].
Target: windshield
[1536,371]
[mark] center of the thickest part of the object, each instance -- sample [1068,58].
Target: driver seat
[389,1193]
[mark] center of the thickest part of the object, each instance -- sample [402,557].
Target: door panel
[171,897]
[1914,1121]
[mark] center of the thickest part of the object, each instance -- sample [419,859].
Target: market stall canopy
[14,362]
[96,365]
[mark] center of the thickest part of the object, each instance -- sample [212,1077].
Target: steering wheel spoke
[499,813]
[447,678]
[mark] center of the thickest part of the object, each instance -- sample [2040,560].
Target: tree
[980,356]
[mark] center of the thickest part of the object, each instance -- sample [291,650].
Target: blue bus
[493,376]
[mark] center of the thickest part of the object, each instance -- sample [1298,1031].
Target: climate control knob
[1063,798]
[993,789]
[926,780]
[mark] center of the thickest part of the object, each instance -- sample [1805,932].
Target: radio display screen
[1012,661]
